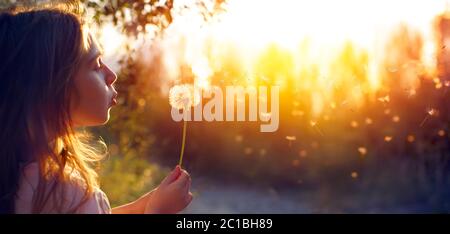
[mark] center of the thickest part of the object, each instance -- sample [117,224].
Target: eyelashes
[98,64]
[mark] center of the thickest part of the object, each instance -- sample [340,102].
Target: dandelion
[182,97]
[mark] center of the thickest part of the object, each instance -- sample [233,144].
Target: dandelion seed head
[441,133]
[183,96]
[388,138]
[354,174]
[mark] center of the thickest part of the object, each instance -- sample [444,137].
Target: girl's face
[94,94]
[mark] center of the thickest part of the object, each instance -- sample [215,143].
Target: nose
[111,77]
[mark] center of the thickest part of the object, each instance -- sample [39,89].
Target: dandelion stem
[183,143]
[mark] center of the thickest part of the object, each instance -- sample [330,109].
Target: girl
[53,80]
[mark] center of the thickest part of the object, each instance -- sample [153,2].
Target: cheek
[91,106]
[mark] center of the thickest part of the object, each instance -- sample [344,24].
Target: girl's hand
[172,195]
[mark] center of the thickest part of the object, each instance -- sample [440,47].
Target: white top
[97,203]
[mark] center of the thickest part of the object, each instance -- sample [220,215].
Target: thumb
[172,176]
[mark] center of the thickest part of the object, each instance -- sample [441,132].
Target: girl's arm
[135,207]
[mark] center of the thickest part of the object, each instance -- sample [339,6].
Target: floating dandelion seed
[369,121]
[182,97]
[388,138]
[354,175]
[248,150]
[447,83]
[410,138]
[262,152]
[316,127]
[430,112]
[291,139]
[362,151]
[354,124]
[411,92]
[303,153]
[396,119]
[141,102]
[333,105]
[384,99]
[295,162]
[441,133]
[297,113]
[387,111]
[238,138]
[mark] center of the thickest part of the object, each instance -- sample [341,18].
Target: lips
[114,100]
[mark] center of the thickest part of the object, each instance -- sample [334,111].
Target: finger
[172,176]
[187,186]
[182,179]
[189,198]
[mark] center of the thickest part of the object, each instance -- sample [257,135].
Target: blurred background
[364,102]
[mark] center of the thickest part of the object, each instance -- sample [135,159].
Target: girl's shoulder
[72,195]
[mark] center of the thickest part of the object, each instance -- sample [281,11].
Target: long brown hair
[41,51]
